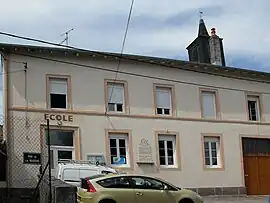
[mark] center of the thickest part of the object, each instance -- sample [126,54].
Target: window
[58,93]
[149,183]
[118,182]
[163,101]
[167,150]
[119,155]
[253,103]
[209,108]
[116,97]
[62,146]
[212,152]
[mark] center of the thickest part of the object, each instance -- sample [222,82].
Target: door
[60,153]
[257,165]
[150,190]
[119,189]
[62,146]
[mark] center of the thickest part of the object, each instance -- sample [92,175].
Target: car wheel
[107,201]
[186,200]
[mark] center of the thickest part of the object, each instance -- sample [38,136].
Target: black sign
[31,158]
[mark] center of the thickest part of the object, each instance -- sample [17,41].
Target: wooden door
[256,154]
[251,174]
[257,175]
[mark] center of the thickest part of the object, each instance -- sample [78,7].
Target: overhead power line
[133,74]
[122,50]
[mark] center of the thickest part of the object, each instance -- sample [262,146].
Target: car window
[149,183]
[117,182]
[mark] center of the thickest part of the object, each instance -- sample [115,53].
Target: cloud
[162,28]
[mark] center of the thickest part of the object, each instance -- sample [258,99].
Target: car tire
[107,201]
[186,200]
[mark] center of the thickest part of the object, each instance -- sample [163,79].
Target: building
[197,125]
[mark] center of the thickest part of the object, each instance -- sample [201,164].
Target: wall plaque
[31,158]
[145,155]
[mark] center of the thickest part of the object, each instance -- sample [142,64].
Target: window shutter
[163,98]
[58,86]
[209,105]
[116,94]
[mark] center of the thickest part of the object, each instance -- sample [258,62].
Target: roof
[202,29]
[237,73]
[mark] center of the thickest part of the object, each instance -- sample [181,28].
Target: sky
[162,28]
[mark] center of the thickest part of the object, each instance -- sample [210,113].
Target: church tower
[205,48]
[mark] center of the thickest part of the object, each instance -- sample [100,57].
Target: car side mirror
[165,187]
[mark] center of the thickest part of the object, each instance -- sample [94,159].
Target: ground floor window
[62,146]
[167,150]
[212,154]
[119,151]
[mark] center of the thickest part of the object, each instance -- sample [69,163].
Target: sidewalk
[231,199]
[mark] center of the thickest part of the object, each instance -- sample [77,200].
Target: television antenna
[66,36]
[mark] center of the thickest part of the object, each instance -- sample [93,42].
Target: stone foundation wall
[220,191]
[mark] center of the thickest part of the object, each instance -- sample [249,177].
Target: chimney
[213,32]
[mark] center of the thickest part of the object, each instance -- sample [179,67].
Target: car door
[118,189]
[149,190]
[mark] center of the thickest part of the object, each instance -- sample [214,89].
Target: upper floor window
[253,103]
[209,104]
[163,100]
[58,93]
[116,96]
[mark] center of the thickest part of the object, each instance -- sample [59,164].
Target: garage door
[257,165]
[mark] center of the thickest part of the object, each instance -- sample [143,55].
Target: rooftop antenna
[66,36]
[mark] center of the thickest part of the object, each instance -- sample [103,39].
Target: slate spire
[202,31]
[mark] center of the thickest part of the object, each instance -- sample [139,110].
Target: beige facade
[185,129]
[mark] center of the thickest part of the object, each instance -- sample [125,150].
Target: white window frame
[55,150]
[113,85]
[257,100]
[218,146]
[166,138]
[60,80]
[214,94]
[168,90]
[117,137]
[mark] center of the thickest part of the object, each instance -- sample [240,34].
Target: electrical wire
[9,72]
[122,48]
[134,74]
[119,61]
[130,58]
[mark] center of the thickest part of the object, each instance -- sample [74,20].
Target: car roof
[105,176]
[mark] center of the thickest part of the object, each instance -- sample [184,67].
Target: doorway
[256,156]
[62,147]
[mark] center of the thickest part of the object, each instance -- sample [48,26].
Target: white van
[72,171]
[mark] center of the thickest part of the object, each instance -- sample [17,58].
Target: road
[230,199]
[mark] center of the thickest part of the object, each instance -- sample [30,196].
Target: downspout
[6,124]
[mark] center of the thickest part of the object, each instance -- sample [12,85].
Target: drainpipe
[6,124]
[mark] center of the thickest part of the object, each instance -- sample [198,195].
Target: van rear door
[86,172]
[71,176]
